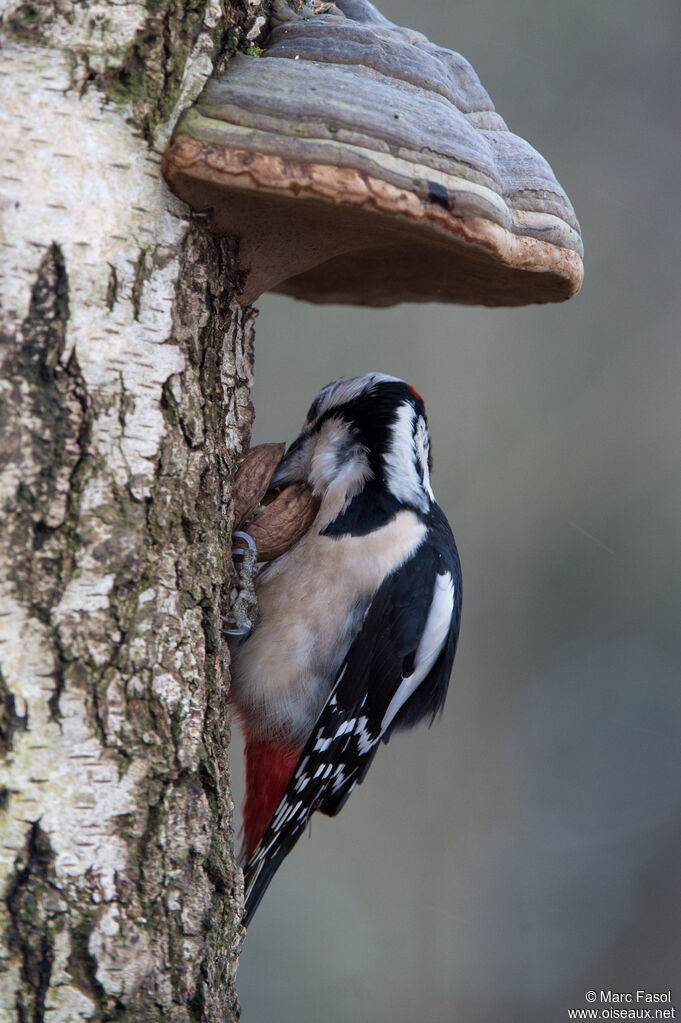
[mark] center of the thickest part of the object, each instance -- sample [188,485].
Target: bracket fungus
[357,162]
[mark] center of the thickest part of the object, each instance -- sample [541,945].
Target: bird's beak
[292,468]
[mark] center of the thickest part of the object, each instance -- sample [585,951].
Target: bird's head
[367,435]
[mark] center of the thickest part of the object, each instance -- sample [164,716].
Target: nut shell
[280,520]
[283,521]
[253,477]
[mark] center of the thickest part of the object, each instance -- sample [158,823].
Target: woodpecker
[358,622]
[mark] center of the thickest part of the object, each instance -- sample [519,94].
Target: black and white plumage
[359,620]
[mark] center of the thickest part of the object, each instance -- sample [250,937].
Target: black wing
[389,680]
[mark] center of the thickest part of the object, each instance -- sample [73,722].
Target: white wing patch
[433,639]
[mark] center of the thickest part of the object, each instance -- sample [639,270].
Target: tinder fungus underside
[357,162]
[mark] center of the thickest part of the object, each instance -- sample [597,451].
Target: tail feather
[282,833]
[257,877]
[322,776]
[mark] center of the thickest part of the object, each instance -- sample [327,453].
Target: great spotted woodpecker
[358,621]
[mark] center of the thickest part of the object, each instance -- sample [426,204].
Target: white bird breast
[311,603]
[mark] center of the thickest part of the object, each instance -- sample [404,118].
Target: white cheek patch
[338,463]
[324,464]
[430,646]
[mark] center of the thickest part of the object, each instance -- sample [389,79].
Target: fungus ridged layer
[359,163]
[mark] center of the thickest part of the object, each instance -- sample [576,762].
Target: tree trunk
[124,402]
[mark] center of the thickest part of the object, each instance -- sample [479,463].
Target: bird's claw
[250,544]
[241,630]
[244,604]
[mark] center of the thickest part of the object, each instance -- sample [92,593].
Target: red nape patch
[416,394]
[268,769]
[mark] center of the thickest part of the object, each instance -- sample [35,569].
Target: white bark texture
[125,373]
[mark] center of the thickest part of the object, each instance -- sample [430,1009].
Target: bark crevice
[34,906]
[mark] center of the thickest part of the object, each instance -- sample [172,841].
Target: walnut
[282,522]
[275,521]
[253,477]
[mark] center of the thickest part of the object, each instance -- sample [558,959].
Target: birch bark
[125,374]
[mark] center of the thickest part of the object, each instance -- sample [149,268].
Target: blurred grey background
[527,848]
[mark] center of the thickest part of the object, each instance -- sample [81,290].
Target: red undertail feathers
[268,769]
